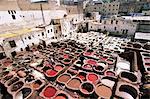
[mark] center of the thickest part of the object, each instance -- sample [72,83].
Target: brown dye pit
[103,91]
[36,84]
[64,78]
[74,83]
[17,86]
[21,74]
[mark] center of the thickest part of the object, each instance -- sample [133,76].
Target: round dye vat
[103,58]
[110,61]
[87,53]
[36,84]
[128,76]
[91,62]
[49,92]
[66,56]
[87,88]
[51,72]
[92,77]
[74,83]
[58,67]
[82,75]
[110,73]
[63,78]
[21,73]
[103,91]
[87,66]
[61,96]
[66,61]
[6,64]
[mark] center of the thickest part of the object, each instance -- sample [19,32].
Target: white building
[23,27]
[115,25]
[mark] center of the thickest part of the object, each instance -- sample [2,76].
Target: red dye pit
[49,92]
[87,53]
[92,77]
[109,73]
[91,62]
[51,72]
[6,64]
[58,67]
[82,77]
[103,58]
[87,66]
[66,56]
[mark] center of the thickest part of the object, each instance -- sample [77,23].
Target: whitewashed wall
[122,25]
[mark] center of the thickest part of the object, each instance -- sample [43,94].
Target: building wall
[147,12]
[105,8]
[28,39]
[30,16]
[111,25]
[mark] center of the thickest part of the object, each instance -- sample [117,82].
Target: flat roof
[142,36]
[136,18]
[18,32]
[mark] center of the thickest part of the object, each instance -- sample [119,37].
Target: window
[33,44]
[29,37]
[116,22]
[91,27]
[104,27]
[56,31]
[13,16]
[111,21]
[42,33]
[104,22]
[100,21]
[12,12]
[51,30]
[53,37]
[38,35]
[25,38]
[115,28]
[8,12]
[47,31]
[12,43]
[21,49]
